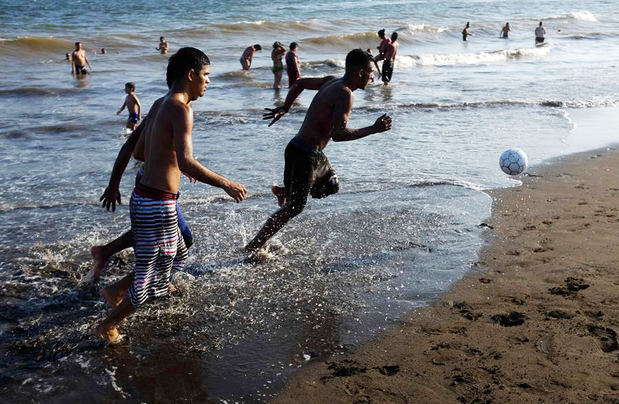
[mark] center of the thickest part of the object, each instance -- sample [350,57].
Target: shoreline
[536,320]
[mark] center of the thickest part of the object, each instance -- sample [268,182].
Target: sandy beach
[535,321]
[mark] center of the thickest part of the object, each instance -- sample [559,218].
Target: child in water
[133,106]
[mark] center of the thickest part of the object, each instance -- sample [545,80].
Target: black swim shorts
[387,70]
[307,171]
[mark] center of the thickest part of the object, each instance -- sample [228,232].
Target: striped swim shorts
[159,247]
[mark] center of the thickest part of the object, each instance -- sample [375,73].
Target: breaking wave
[470,58]
[582,15]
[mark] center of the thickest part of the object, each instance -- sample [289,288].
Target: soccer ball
[513,161]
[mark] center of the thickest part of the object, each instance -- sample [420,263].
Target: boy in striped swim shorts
[168,151]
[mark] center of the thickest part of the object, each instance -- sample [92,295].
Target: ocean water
[405,225]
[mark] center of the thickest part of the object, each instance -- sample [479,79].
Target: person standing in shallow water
[163,45]
[540,34]
[382,48]
[133,106]
[307,170]
[248,56]
[391,51]
[79,60]
[466,32]
[168,150]
[277,54]
[505,31]
[293,64]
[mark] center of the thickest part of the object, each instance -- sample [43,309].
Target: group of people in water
[540,32]
[387,51]
[163,140]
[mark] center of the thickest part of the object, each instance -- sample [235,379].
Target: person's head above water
[293,46]
[381,33]
[78,45]
[277,44]
[190,65]
[129,87]
[540,23]
[358,68]
[394,36]
[257,47]
[162,38]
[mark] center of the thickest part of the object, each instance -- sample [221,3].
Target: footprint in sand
[572,286]
[607,337]
[465,311]
[511,319]
[559,314]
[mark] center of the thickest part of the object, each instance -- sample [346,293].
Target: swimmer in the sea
[79,60]
[133,106]
[163,45]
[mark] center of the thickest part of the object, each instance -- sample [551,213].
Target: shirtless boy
[382,47]
[133,106]
[168,150]
[134,145]
[79,60]
[248,56]
[293,64]
[307,170]
[391,51]
[466,32]
[163,45]
[505,31]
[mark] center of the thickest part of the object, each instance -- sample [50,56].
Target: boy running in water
[307,170]
[168,150]
[133,106]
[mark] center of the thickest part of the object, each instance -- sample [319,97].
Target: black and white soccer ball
[513,161]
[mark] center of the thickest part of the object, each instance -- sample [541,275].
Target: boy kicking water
[307,170]
[168,150]
[133,106]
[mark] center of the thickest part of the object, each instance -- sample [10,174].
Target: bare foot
[100,260]
[109,298]
[110,335]
[280,193]
[171,288]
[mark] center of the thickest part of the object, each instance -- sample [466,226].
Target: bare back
[132,103]
[161,165]
[330,105]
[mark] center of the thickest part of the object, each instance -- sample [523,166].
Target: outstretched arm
[340,132]
[111,195]
[182,127]
[297,88]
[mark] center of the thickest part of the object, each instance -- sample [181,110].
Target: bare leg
[100,253]
[272,226]
[278,79]
[115,293]
[106,330]
[280,193]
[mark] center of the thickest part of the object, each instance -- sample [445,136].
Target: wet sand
[535,321]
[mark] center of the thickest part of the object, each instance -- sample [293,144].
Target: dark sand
[536,321]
